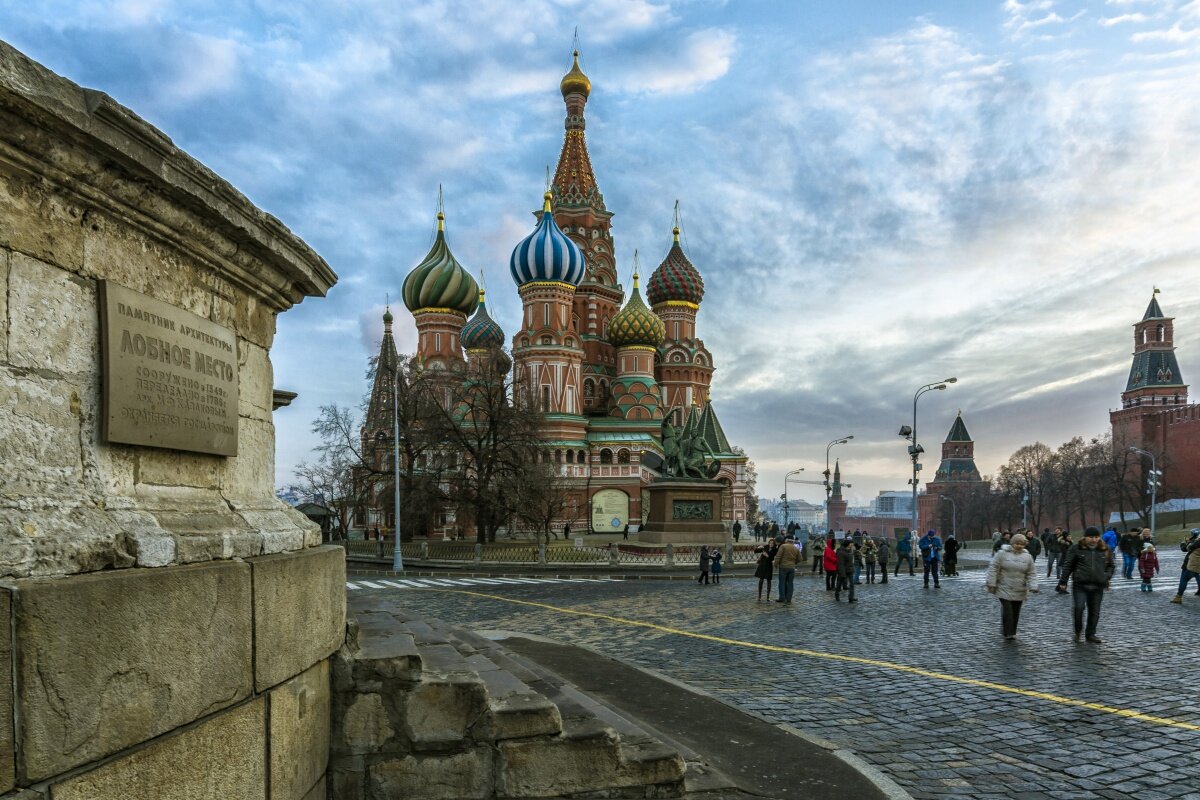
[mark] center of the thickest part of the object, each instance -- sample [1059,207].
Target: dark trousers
[1087,596]
[1184,578]
[843,582]
[818,567]
[830,581]
[883,571]
[1052,559]
[1010,614]
[870,572]
[931,566]
[1127,564]
[950,567]
[900,559]
[703,576]
[787,583]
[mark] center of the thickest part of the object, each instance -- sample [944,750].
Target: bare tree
[542,498]
[1029,473]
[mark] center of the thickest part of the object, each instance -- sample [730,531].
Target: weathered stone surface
[347,779]
[317,792]
[219,759]
[43,224]
[7,757]
[461,775]
[57,539]
[4,254]
[299,741]
[160,467]
[256,381]
[299,611]
[439,713]
[365,728]
[39,436]
[110,660]
[53,322]
[251,473]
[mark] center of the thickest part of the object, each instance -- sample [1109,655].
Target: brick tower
[957,472]
[835,506]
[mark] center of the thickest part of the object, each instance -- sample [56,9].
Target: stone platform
[672,504]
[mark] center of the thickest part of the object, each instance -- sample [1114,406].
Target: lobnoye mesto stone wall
[165,622]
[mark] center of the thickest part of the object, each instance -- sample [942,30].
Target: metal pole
[397,557]
[953,514]
[916,455]
[1153,487]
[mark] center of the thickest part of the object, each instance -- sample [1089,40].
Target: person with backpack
[904,553]
[931,555]
[950,555]
[845,570]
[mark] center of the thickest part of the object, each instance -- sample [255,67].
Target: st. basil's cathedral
[604,376]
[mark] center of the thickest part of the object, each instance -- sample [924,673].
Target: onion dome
[575,82]
[547,254]
[636,324]
[481,331]
[439,281]
[387,317]
[675,279]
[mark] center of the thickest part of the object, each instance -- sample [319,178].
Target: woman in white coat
[1011,577]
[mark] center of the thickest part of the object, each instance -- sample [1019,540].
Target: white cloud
[1108,22]
[1176,34]
[703,57]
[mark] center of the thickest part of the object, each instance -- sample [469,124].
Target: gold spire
[546,198]
[575,82]
[441,212]
[635,270]
[675,230]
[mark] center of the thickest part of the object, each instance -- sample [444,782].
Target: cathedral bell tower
[685,366]
[441,295]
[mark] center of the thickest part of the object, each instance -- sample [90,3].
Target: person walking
[950,555]
[737,529]
[1191,565]
[829,559]
[845,570]
[858,562]
[870,554]
[1011,577]
[1005,539]
[817,548]
[566,531]
[1147,566]
[1033,546]
[931,554]
[704,563]
[1065,543]
[765,570]
[1089,567]
[1054,553]
[1130,545]
[904,553]
[885,553]
[786,561]
[1109,537]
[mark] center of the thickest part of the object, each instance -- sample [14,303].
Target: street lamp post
[786,504]
[397,557]
[1025,510]
[953,515]
[914,449]
[828,447]
[1153,484]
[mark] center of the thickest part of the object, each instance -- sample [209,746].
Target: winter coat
[1147,564]
[704,559]
[950,549]
[765,569]
[1053,545]
[830,560]
[1191,562]
[1090,566]
[1130,544]
[716,563]
[885,552]
[870,551]
[1011,574]
[1034,546]
[931,548]
[1110,539]
[845,562]
[788,556]
[903,547]
[817,548]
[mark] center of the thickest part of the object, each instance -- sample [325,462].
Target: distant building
[892,504]
[1155,414]
[956,475]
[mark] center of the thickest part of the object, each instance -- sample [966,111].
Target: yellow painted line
[870,662]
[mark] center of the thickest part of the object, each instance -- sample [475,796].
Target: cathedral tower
[685,366]
[579,210]
[636,332]
[440,294]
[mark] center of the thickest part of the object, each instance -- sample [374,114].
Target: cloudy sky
[879,194]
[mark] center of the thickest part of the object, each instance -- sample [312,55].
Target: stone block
[60,539]
[317,792]
[219,759]
[4,254]
[53,321]
[365,727]
[7,756]
[43,224]
[299,728]
[459,776]
[253,320]
[299,611]
[256,381]
[251,473]
[109,660]
[552,767]
[39,436]
[439,713]
[159,467]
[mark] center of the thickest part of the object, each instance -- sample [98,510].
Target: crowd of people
[1083,569]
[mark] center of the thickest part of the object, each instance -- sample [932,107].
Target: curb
[887,786]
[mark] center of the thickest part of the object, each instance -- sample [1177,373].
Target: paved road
[917,681]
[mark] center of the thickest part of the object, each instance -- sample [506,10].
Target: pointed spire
[675,229]
[1154,311]
[635,270]
[441,212]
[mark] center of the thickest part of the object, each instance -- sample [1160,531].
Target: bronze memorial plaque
[170,377]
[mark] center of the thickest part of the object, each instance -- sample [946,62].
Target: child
[1147,566]
[716,564]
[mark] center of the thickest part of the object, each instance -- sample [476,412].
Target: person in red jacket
[1147,566]
[829,560]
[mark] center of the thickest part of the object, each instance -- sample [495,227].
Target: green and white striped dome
[439,281]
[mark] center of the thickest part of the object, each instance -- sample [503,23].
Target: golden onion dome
[575,82]
[636,324]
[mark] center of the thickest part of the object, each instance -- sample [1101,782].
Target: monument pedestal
[684,512]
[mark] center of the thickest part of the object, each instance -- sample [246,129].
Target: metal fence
[615,554]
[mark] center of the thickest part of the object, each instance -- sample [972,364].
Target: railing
[634,555]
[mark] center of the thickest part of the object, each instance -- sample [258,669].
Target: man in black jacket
[845,570]
[1130,545]
[1090,563]
[1034,547]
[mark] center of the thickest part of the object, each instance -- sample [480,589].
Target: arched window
[589,389]
[570,456]
[558,456]
[581,457]
[1143,335]
[1161,332]
[604,327]
[622,456]
[606,456]
[604,390]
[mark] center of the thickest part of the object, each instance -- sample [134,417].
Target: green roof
[714,436]
[1154,311]
[958,431]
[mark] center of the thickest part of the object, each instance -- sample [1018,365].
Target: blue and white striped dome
[547,254]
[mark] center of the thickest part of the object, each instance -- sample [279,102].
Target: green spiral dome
[636,324]
[439,281]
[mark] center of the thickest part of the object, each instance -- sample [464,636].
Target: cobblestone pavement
[937,738]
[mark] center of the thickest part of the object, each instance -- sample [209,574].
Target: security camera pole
[914,449]
[1152,483]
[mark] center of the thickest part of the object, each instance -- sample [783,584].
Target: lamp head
[940,386]
[905,431]
[951,380]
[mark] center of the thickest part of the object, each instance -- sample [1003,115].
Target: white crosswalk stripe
[452,581]
[979,576]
